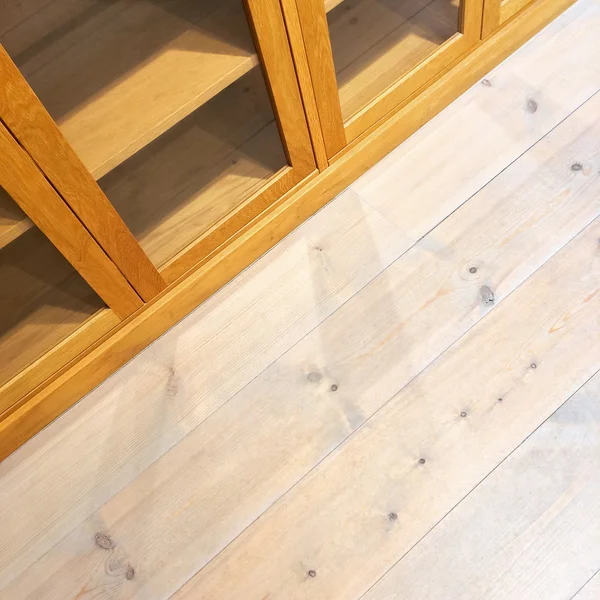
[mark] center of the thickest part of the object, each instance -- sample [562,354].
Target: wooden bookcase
[151,149]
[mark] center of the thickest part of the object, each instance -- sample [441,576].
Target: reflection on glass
[376,42]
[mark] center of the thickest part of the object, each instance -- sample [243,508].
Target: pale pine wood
[417,457]
[140,67]
[13,221]
[31,124]
[355,350]
[313,21]
[176,189]
[22,180]
[220,350]
[286,214]
[547,73]
[527,531]
[591,591]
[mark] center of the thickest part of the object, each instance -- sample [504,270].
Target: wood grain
[525,531]
[56,355]
[270,37]
[376,42]
[509,8]
[417,457]
[204,168]
[591,591]
[420,74]
[43,301]
[296,39]
[355,350]
[21,179]
[529,94]
[288,213]
[491,17]
[140,68]
[31,124]
[13,221]
[220,350]
[313,21]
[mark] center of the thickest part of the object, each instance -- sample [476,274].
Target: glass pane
[163,100]
[42,299]
[376,42]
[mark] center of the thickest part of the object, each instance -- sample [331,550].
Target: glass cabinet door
[56,281]
[498,12]
[169,108]
[382,51]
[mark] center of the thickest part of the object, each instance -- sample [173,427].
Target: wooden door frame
[497,12]
[268,28]
[31,124]
[36,131]
[316,43]
[26,185]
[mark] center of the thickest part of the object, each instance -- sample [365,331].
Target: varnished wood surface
[43,301]
[177,188]
[391,368]
[140,67]
[376,42]
[27,186]
[29,121]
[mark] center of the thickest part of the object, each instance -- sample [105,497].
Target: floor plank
[265,439]
[489,126]
[168,483]
[345,524]
[122,427]
[591,591]
[525,532]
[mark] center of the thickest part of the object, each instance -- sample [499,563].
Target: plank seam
[480,483]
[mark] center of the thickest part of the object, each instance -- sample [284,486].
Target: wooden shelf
[43,300]
[376,42]
[116,75]
[185,182]
[13,221]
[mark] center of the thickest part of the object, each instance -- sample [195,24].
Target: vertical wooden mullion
[27,186]
[471,18]
[294,28]
[36,131]
[491,17]
[315,31]
[270,36]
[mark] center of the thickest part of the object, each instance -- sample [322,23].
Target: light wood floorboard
[268,447]
[516,535]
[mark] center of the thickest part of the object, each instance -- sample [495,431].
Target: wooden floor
[399,401]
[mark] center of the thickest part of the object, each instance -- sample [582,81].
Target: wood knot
[393,516]
[314,377]
[334,388]
[486,82]
[422,461]
[576,167]
[312,573]
[103,540]
[129,573]
[487,295]
[532,105]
